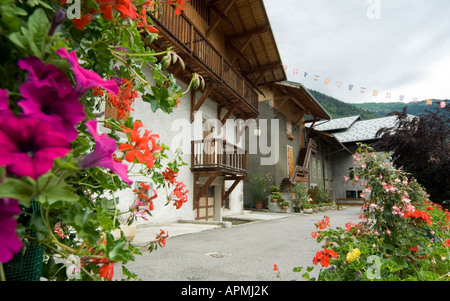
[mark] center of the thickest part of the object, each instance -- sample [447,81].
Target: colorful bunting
[375,93]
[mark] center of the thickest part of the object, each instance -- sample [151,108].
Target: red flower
[323,257]
[275,267]
[421,215]
[446,243]
[323,223]
[169,175]
[161,238]
[124,99]
[139,149]
[179,5]
[126,9]
[107,271]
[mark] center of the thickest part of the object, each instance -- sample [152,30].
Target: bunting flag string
[375,93]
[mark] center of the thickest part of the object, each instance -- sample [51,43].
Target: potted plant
[307,207]
[275,196]
[285,204]
[300,192]
[258,188]
[315,207]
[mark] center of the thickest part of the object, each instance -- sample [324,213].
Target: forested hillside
[337,108]
[384,108]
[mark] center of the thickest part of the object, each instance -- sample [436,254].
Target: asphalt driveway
[244,252]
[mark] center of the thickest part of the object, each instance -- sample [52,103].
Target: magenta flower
[10,243]
[28,146]
[46,75]
[87,79]
[4,104]
[43,103]
[102,154]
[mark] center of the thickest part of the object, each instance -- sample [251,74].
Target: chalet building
[302,153]
[349,131]
[230,44]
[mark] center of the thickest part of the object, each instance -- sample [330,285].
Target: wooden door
[290,161]
[205,206]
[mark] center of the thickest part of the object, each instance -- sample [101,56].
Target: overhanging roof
[296,96]
[246,28]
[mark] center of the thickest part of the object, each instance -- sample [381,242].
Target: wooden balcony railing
[218,155]
[198,45]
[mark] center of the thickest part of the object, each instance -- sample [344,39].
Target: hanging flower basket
[27,264]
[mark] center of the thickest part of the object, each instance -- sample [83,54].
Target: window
[353,194]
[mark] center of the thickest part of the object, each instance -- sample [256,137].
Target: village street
[245,252]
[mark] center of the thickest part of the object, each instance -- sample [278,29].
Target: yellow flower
[354,254]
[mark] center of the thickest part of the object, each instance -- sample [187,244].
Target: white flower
[72,267]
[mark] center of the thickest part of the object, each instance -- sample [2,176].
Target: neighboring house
[230,44]
[349,131]
[287,150]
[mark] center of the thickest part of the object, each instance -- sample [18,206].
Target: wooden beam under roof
[217,21]
[250,33]
[261,68]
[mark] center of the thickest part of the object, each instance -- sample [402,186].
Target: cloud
[400,52]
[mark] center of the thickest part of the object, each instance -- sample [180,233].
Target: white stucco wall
[175,130]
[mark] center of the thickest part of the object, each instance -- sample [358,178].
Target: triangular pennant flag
[339,84]
[375,92]
[305,74]
[415,100]
[362,90]
[316,77]
[327,81]
[350,87]
[388,95]
[285,67]
[429,102]
[295,71]
[401,97]
[443,104]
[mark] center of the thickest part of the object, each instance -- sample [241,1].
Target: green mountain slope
[384,108]
[338,109]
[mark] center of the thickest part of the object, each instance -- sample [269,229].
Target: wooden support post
[230,190]
[195,106]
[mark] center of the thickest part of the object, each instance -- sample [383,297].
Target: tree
[421,146]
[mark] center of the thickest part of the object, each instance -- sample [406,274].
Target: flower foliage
[57,75]
[401,234]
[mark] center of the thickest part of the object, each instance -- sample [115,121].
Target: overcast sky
[400,47]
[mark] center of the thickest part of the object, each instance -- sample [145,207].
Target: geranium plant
[59,175]
[401,235]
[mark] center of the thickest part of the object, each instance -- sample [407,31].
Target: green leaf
[54,193]
[117,250]
[32,38]
[17,189]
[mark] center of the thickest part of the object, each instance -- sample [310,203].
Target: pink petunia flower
[48,96]
[29,146]
[87,79]
[46,75]
[103,153]
[10,243]
[4,104]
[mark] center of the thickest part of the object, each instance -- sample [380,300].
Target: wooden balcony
[218,156]
[230,89]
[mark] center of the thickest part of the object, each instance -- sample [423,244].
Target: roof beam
[217,21]
[249,34]
[263,68]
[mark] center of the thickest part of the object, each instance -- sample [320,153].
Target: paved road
[245,252]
